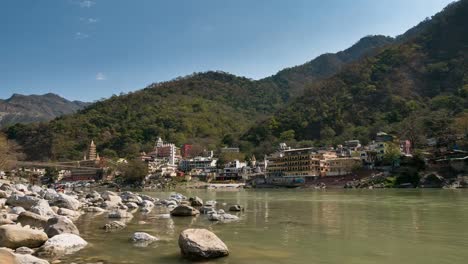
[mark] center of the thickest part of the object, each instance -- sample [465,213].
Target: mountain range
[414,84]
[36,108]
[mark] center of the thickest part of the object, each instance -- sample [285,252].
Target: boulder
[201,244]
[222,217]
[49,194]
[60,225]
[106,195]
[29,259]
[145,197]
[184,210]
[32,220]
[5,221]
[17,210]
[210,203]
[114,225]
[235,208]
[66,201]
[147,206]
[7,257]
[196,201]
[60,245]
[3,194]
[24,251]
[71,214]
[94,209]
[43,209]
[207,209]
[129,197]
[20,187]
[3,203]
[24,201]
[132,205]
[35,189]
[6,187]
[14,236]
[120,214]
[143,239]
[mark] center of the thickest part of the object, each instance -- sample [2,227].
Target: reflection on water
[291,226]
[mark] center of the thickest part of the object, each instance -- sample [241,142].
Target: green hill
[418,80]
[414,88]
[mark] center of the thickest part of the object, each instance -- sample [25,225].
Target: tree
[134,172]
[392,154]
[8,153]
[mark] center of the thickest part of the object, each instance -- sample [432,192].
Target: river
[301,226]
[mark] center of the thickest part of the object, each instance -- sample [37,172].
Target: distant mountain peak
[21,108]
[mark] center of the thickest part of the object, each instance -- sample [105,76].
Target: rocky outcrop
[14,236]
[60,225]
[184,210]
[201,244]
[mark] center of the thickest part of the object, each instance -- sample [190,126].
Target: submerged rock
[235,208]
[143,239]
[201,244]
[114,225]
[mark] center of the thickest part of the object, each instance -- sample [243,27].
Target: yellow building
[311,163]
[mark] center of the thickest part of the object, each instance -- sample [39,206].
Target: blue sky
[91,49]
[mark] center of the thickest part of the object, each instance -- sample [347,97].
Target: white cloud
[81,35]
[87,3]
[100,76]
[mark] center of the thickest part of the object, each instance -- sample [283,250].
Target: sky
[91,49]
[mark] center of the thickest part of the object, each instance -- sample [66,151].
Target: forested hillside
[210,109]
[416,84]
[416,88]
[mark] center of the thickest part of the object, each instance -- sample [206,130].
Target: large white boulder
[60,245]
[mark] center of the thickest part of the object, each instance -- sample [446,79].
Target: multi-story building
[197,163]
[309,162]
[165,151]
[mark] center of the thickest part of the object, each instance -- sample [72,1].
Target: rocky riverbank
[38,225]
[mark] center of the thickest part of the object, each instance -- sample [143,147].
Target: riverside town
[232,132]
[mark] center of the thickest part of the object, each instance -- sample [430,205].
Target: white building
[203,163]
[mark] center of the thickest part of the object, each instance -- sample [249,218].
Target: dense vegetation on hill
[34,108]
[414,88]
[210,109]
[415,84]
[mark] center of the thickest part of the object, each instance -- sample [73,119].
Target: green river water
[301,226]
